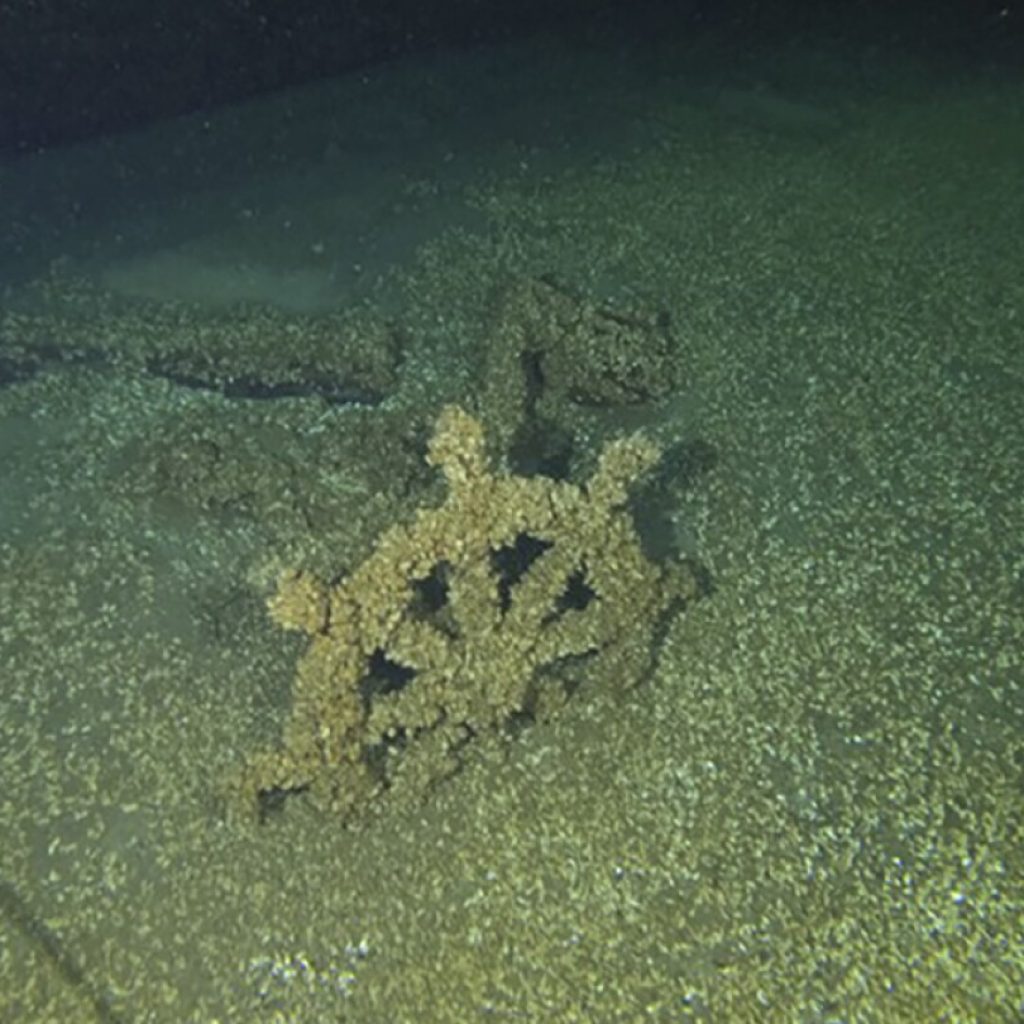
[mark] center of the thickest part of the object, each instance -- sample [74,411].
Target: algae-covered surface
[810,807]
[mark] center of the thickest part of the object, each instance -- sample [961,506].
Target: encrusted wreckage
[492,606]
[548,352]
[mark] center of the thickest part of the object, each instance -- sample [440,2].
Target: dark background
[74,69]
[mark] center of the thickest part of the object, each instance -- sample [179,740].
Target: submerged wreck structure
[489,609]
